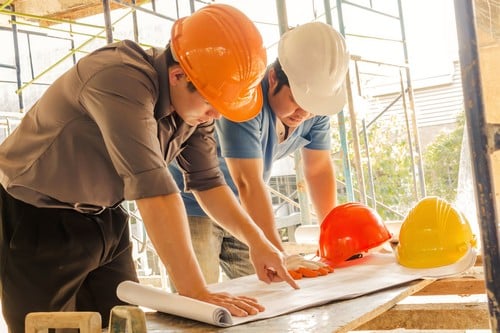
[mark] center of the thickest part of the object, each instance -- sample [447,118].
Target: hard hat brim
[240,111]
[467,261]
[319,105]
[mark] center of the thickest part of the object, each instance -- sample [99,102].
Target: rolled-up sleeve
[319,134]
[198,160]
[240,140]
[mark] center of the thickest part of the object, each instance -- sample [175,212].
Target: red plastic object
[349,229]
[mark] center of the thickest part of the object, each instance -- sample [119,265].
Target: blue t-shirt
[257,138]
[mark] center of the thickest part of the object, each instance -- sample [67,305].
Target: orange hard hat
[222,53]
[350,229]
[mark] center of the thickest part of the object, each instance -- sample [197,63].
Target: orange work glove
[299,267]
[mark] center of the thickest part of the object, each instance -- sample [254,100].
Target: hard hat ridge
[434,234]
[222,52]
[350,229]
[315,59]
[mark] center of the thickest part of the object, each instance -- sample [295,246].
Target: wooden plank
[337,317]
[458,286]
[432,316]
[470,282]
[404,330]
[86,322]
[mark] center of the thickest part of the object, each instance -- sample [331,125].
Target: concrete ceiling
[60,9]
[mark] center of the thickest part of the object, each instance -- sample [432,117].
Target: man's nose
[301,112]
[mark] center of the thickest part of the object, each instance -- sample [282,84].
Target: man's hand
[299,267]
[269,264]
[238,306]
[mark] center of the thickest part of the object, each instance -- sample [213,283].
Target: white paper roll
[307,234]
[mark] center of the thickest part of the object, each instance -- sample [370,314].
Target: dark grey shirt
[103,132]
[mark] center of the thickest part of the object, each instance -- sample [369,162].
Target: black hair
[280,76]
[171,61]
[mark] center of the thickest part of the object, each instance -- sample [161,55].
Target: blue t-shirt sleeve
[239,140]
[319,135]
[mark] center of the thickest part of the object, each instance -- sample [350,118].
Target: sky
[429,26]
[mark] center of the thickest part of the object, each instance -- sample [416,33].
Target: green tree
[441,162]
[390,163]
[391,166]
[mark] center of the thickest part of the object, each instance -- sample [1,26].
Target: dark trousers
[61,260]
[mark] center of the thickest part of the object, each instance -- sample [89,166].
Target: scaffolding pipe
[355,141]
[72,44]
[305,211]
[282,16]
[369,9]
[107,21]
[364,132]
[135,24]
[192,8]
[70,31]
[17,62]
[340,115]
[48,19]
[6,4]
[145,10]
[32,70]
[369,164]
[482,167]
[408,134]
[411,101]
[18,91]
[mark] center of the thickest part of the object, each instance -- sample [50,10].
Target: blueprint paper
[173,303]
[355,278]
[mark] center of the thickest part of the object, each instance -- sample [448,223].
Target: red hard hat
[349,229]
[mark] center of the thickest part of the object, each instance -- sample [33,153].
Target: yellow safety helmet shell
[433,234]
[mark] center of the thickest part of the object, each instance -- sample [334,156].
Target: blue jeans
[214,247]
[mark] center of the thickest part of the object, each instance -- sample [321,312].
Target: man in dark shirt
[103,133]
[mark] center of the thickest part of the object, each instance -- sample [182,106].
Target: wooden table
[339,316]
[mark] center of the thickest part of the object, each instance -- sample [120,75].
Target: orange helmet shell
[222,53]
[349,229]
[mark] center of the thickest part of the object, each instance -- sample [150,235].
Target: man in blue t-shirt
[301,89]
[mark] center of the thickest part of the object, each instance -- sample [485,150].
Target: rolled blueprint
[163,301]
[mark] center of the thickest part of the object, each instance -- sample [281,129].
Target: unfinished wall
[487,16]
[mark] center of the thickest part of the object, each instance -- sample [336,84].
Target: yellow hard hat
[223,54]
[433,234]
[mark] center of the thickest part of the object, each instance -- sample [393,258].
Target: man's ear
[175,73]
[271,77]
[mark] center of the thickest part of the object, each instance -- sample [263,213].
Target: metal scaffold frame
[365,191]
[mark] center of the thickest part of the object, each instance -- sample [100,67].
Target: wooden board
[333,317]
[464,315]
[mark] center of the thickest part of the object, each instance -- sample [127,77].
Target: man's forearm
[166,224]
[257,202]
[221,205]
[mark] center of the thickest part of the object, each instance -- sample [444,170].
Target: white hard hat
[315,59]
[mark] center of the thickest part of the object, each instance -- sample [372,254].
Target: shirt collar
[159,57]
